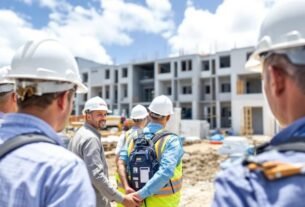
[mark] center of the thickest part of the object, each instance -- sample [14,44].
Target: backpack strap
[160,135]
[157,137]
[296,144]
[20,141]
[274,170]
[137,134]
[133,136]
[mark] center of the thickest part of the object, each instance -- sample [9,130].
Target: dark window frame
[225,61]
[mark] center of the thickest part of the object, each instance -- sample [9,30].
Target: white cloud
[14,31]
[159,5]
[48,3]
[52,4]
[234,24]
[86,30]
[124,16]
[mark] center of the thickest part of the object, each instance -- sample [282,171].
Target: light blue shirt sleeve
[124,153]
[171,156]
[71,186]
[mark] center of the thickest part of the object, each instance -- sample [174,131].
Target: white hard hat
[46,62]
[96,104]
[282,30]
[138,112]
[161,105]
[6,85]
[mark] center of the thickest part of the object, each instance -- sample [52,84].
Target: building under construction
[213,87]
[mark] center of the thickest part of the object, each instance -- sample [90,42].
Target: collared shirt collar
[153,127]
[15,124]
[91,128]
[296,129]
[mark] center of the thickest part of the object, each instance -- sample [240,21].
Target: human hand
[129,190]
[137,196]
[131,200]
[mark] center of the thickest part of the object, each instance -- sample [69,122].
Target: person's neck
[45,114]
[92,125]
[294,108]
[8,108]
[4,110]
[139,125]
[295,115]
[159,122]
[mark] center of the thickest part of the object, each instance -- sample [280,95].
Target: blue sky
[120,31]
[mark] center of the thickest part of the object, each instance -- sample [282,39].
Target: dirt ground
[200,165]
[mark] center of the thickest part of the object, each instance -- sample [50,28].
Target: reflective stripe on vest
[175,186]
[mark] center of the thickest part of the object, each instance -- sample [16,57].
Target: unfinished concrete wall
[195,128]
[174,123]
[269,127]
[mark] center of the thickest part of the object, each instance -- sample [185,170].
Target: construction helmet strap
[295,55]
[30,88]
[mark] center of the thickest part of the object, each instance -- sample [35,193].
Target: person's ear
[168,117]
[63,100]
[14,97]
[87,116]
[278,80]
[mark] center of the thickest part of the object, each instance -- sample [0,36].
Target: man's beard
[101,125]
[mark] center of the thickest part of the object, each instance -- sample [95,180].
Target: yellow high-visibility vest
[170,194]
[128,136]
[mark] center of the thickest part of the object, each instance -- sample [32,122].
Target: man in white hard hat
[164,188]
[35,168]
[8,98]
[86,143]
[139,116]
[275,177]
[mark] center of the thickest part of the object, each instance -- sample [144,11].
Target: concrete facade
[214,87]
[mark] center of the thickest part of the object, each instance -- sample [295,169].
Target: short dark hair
[138,120]
[42,101]
[155,116]
[4,96]
[5,93]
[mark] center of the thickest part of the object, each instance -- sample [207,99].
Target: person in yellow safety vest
[164,188]
[139,116]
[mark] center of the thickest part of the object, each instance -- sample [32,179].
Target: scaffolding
[247,128]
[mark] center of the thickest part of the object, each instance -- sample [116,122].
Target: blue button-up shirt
[41,174]
[1,117]
[170,158]
[237,186]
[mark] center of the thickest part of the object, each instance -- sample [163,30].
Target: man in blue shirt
[164,188]
[275,177]
[43,174]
